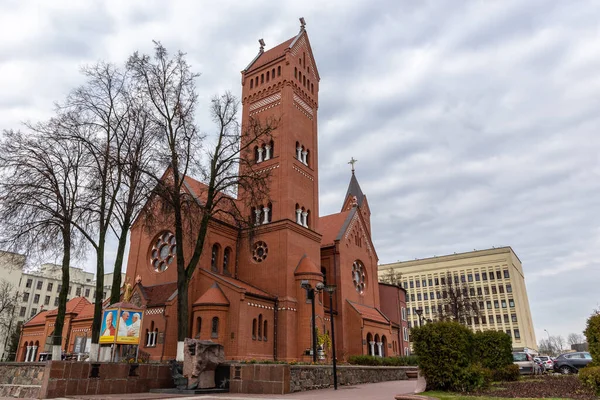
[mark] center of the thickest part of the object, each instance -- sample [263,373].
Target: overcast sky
[475,123]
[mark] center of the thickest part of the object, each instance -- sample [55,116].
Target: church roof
[87,312]
[370,313]
[265,57]
[158,295]
[75,305]
[333,226]
[355,190]
[214,296]
[238,283]
[307,266]
[38,319]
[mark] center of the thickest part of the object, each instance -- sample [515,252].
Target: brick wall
[21,379]
[284,378]
[66,378]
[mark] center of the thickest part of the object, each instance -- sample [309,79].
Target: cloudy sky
[475,123]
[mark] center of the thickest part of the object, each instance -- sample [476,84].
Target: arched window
[262,78]
[279,70]
[215,328]
[256,81]
[270,214]
[384,344]
[265,331]
[251,83]
[308,224]
[226,257]
[295,72]
[272,144]
[273,73]
[307,157]
[214,258]
[377,346]
[198,327]
[25,345]
[254,329]
[260,321]
[304,81]
[255,153]
[369,347]
[312,88]
[268,74]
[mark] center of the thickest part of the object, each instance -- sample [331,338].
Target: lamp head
[305,284]
[320,286]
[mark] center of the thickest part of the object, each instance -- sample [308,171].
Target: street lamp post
[310,293]
[330,289]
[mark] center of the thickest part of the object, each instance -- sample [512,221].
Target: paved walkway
[369,391]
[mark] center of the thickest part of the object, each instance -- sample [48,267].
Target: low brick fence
[21,379]
[284,378]
[67,378]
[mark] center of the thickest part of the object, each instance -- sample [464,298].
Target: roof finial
[262,44]
[352,162]
[302,23]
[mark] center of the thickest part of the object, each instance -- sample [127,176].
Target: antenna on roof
[302,23]
[262,44]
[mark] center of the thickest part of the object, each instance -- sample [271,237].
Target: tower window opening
[256,81]
[251,83]
[279,70]
[262,78]
[304,81]
[295,72]
[268,76]
[273,73]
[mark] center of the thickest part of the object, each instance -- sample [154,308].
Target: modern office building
[495,278]
[11,268]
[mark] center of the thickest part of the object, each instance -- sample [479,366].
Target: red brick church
[249,297]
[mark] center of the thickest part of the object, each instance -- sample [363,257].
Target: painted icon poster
[109,326]
[129,326]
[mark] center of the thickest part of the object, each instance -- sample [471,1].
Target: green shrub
[444,351]
[472,378]
[365,360]
[493,349]
[592,334]
[590,378]
[508,373]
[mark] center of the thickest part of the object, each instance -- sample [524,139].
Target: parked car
[547,362]
[571,363]
[527,366]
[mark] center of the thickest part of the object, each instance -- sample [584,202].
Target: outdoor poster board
[109,326]
[129,326]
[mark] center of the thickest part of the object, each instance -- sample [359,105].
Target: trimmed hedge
[385,361]
[507,373]
[493,349]
[590,378]
[444,351]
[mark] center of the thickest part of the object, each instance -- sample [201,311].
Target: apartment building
[11,268]
[495,276]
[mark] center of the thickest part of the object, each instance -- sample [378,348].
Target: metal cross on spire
[302,23]
[262,44]
[352,162]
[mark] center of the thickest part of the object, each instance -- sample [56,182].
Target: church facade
[247,294]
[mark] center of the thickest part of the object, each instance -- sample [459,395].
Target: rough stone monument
[201,358]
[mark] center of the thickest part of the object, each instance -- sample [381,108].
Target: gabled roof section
[75,305]
[236,283]
[369,313]
[354,190]
[213,296]
[158,295]
[333,226]
[306,266]
[38,319]
[87,312]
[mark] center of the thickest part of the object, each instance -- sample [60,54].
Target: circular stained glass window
[260,251]
[163,251]
[359,277]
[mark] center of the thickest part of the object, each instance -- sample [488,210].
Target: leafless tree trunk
[40,192]
[227,169]
[575,338]
[459,301]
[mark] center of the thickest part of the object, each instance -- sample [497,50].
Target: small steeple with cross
[302,23]
[352,162]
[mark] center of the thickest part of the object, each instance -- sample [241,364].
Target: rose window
[163,251]
[359,276]
[259,253]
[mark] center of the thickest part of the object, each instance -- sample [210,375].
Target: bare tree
[459,301]
[391,277]
[41,183]
[552,346]
[226,169]
[8,302]
[575,338]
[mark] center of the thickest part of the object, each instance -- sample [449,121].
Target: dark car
[572,362]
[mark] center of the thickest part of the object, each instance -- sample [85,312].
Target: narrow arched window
[262,78]
[279,70]
[295,72]
[256,81]
[198,326]
[272,144]
[273,73]
[254,329]
[226,260]
[265,331]
[304,81]
[260,321]
[307,157]
[312,88]
[215,328]
[214,258]
[251,83]
[270,214]
[268,76]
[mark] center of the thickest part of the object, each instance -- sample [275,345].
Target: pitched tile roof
[237,283]
[87,312]
[158,295]
[306,266]
[214,296]
[75,305]
[331,226]
[370,313]
[270,55]
[38,319]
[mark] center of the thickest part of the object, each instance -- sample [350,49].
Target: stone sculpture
[201,358]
